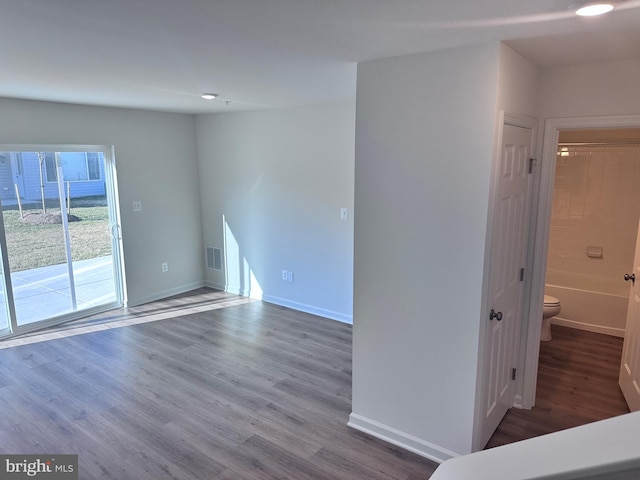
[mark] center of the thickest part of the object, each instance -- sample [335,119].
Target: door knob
[493,314]
[631,277]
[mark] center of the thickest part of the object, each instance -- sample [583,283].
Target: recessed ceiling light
[208,96]
[593,9]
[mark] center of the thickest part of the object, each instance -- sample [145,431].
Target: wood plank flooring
[250,391]
[207,385]
[577,384]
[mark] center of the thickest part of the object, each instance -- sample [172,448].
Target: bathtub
[590,303]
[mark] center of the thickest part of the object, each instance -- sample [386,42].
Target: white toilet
[551,309]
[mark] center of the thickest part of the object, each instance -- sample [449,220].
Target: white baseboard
[616,332]
[165,294]
[401,439]
[283,302]
[235,290]
[321,312]
[216,286]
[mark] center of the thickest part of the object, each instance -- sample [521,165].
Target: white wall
[424,150]
[279,179]
[518,83]
[590,90]
[156,163]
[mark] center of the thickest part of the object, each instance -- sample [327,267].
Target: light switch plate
[344,214]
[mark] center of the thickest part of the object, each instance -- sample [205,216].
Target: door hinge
[522,274]
[532,163]
[513,374]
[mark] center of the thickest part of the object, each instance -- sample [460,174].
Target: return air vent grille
[214,258]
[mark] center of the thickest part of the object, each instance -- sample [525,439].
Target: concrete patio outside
[44,292]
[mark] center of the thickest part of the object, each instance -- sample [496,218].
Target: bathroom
[593,229]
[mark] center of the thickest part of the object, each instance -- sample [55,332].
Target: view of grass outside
[34,245]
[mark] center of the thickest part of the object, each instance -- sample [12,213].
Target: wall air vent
[214,258]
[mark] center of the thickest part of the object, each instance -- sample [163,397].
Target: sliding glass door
[59,239]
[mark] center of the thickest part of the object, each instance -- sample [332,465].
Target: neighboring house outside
[84,171]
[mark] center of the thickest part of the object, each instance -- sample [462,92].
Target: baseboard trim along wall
[321,312]
[589,327]
[284,302]
[217,286]
[165,294]
[401,439]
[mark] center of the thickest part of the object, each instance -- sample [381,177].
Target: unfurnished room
[345,239]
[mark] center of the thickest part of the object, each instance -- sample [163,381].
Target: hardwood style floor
[577,384]
[214,386]
[183,389]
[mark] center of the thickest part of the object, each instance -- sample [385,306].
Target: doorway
[594,221]
[540,251]
[59,236]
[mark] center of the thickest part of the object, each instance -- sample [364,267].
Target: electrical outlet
[165,267]
[285,275]
[290,277]
[137,206]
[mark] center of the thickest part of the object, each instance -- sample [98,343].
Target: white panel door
[630,365]
[506,288]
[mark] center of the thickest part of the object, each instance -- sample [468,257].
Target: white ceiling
[159,54]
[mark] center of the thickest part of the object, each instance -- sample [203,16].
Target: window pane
[93,165]
[50,166]
[74,166]
[57,273]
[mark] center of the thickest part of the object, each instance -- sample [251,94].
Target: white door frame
[540,236]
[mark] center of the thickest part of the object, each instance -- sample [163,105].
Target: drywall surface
[590,90]
[424,149]
[518,83]
[273,184]
[156,163]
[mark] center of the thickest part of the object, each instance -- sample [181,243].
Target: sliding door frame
[111,191]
